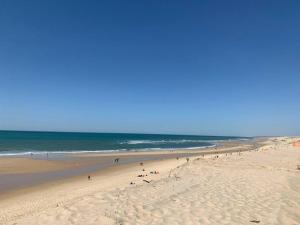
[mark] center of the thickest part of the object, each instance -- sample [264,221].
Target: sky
[183,67]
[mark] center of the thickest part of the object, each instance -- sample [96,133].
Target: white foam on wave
[136,142]
[57,152]
[99,151]
[170,149]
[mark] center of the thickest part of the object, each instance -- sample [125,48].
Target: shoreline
[24,172]
[43,153]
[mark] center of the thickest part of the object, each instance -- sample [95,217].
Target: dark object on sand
[89,177]
[177,158]
[143,169]
[187,159]
[140,175]
[298,167]
[116,160]
[177,177]
[141,164]
[254,221]
[132,183]
[147,181]
[154,172]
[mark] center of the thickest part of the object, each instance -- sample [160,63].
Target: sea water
[27,142]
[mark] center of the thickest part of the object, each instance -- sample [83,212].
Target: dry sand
[261,186]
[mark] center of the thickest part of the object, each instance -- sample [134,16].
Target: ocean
[27,142]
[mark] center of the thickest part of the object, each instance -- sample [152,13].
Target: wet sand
[24,172]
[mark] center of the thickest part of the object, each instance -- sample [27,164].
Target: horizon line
[102,132]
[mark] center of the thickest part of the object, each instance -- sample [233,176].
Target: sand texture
[256,187]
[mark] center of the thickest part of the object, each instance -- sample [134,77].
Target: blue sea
[26,142]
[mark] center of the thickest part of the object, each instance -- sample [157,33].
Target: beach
[149,112]
[233,184]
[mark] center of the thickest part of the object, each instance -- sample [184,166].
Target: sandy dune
[235,188]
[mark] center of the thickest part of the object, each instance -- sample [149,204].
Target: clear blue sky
[194,67]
